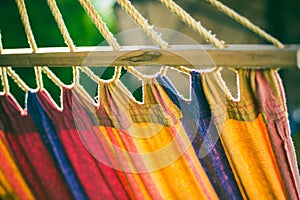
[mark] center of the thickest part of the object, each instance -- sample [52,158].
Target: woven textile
[202,132]
[31,153]
[245,137]
[166,147]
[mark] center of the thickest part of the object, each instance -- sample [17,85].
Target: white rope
[30,37]
[245,22]
[196,25]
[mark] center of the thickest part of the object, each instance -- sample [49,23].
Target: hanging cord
[4,81]
[189,20]
[163,71]
[17,79]
[117,74]
[100,24]
[3,72]
[142,22]
[38,75]
[15,76]
[91,74]
[53,77]
[245,22]
[67,38]
[136,73]
[103,29]
[75,75]
[26,24]
[61,25]
[30,37]
[64,31]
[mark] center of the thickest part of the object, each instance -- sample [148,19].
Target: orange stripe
[13,174]
[105,141]
[248,148]
[6,189]
[177,179]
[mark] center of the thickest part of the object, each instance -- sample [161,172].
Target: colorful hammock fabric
[209,147]
[204,137]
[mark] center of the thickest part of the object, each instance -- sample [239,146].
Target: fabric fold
[12,172]
[271,100]
[244,137]
[95,179]
[159,139]
[211,146]
[6,190]
[31,154]
[202,133]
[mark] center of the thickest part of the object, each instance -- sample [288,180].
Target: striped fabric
[31,154]
[166,147]
[204,137]
[245,138]
[272,105]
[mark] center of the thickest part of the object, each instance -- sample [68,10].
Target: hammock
[212,146]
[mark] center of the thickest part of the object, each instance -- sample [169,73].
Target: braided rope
[105,32]
[75,75]
[117,73]
[100,24]
[61,25]
[103,29]
[53,77]
[18,80]
[38,75]
[163,70]
[245,22]
[189,20]
[26,24]
[142,22]
[135,73]
[4,79]
[91,74]
[68,40]
[31,40]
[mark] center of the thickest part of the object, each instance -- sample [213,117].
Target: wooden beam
[193,56]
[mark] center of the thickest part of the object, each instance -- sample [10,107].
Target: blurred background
[281,18]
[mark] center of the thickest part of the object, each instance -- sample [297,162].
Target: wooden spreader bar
[192,56]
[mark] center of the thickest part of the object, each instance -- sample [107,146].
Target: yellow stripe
[6,189]
[252,159]
[176,180]
[26,191]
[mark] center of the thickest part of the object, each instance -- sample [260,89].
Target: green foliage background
[81,28]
